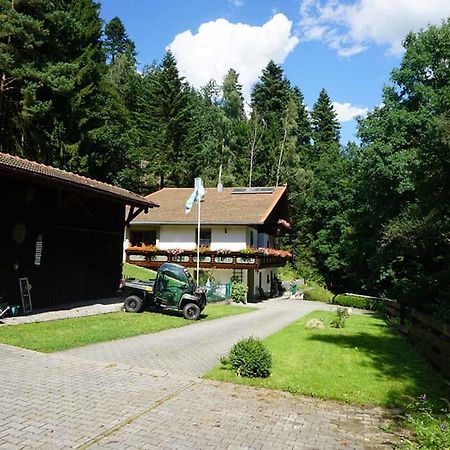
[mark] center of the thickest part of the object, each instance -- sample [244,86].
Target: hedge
[357,302]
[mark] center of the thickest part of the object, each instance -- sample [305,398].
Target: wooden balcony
[259,259]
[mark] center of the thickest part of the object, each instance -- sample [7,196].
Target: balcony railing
[250,258]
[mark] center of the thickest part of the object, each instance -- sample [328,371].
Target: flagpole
[198,241]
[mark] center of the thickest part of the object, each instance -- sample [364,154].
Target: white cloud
[350,28]
[221,45]
[346,112]
[236,3]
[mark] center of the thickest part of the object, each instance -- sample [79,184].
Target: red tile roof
[222,208]
[13,165]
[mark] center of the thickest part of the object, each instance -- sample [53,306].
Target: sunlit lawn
[140,273]
[63,334]
[366,362]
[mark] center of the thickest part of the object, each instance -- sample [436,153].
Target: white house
[238,234]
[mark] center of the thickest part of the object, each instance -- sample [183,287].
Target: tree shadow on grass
[394,357]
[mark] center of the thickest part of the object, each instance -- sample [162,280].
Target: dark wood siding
[81,242]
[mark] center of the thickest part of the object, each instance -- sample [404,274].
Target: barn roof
[19,167]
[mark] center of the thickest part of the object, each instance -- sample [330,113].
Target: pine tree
[303,129]
[36,79]
[271,94]
[117,41]
[232,96]
[270,98]
[325,126]
[170,111]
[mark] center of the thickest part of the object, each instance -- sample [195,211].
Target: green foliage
[357,302]
[117,41]
[250,358]
[431,426]
[316,293]
[341,316]
[367,362]
[400,221]
[274,123]
[232,96]
[239,292]
[325,126]
[371,218]
[287,273]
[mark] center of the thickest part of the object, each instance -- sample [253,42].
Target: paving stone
[78,399]
[194,349]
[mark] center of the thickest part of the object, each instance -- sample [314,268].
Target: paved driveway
[81,399]
[194,349]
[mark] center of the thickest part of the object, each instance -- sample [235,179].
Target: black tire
[191,311]
[133,304]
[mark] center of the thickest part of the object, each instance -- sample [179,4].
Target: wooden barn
[61,231]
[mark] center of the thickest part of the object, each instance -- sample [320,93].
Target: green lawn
[366,362]
[140,273]
[63,334]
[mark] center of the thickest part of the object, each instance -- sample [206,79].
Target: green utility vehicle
[173,288]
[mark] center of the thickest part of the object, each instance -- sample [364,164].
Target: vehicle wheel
[191,311]
[133,304]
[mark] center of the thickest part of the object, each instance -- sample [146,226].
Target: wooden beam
[134,212]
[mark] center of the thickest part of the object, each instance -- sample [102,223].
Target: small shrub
[317,294]
[341,316]
[239,292]
[357,302]
[250,358]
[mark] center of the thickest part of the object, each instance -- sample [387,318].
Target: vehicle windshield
[177,275]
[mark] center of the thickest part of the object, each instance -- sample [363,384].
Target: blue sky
[348,47]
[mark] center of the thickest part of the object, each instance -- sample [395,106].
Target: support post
[198,241]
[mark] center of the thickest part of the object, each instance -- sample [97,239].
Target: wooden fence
[430,335]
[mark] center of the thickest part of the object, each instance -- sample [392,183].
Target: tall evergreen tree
[270,98]
[325,127]
[170,109]
[325,195]
[232,96]
[36,79]
[303,130]
[271,94]
[117,41]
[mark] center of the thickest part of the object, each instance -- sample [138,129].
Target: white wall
[265,285]
[177,236]
[228,237]
[183,236]
[126,242]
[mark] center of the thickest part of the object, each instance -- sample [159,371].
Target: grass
[287,273]
[366,363]
[140,273]
[60,335]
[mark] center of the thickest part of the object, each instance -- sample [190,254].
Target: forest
[371,217]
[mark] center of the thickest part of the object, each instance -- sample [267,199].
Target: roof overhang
[16,167]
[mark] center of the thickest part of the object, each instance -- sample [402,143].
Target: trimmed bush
[239,292]
[357,302]
[341,316]
[250,358]
[317,294]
